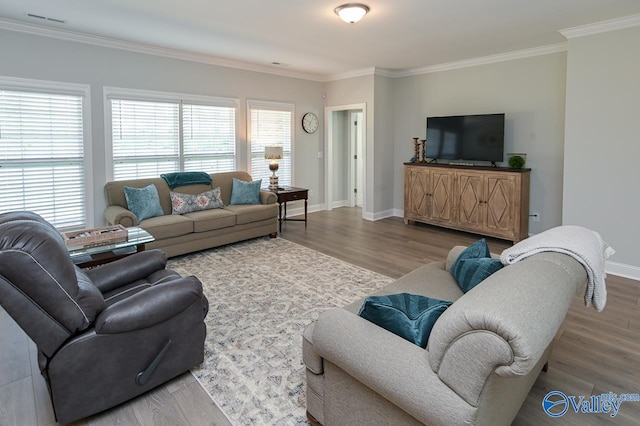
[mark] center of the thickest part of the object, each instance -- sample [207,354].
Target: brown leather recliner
[104,335]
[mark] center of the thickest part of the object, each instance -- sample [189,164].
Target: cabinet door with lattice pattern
[416,193]
[501,204]
[470,197]
[441,206]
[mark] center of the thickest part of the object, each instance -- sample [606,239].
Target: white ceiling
[307,37]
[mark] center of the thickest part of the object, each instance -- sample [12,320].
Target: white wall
[531,91]
[36,57]
[602,142]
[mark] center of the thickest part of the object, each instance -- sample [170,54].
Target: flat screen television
[466,137]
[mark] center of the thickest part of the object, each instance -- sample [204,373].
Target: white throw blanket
[584,245]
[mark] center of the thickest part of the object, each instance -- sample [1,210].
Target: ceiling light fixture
[351,12]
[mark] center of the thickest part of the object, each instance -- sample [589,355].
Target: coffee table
[90,256]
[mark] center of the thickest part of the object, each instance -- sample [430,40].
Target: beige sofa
[180,234]
[482,358]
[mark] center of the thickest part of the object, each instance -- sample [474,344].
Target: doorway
[345,156]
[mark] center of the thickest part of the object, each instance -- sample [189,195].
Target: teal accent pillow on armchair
[245,192]
[474,265]
[410,316]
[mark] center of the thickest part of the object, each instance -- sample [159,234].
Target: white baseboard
[340,203]
[300,210]
[382,215]
[622,270]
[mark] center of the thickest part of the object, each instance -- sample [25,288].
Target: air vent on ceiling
[46,18]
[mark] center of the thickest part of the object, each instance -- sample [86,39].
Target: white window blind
[270,126]
[42,156]
[154,137]
[145,137]
[209,134]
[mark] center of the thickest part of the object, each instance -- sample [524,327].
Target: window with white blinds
[270,124]
[209,134]
[145,137]
[42,155]
[150,137]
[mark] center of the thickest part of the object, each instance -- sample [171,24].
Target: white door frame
[328,152]
[356,176]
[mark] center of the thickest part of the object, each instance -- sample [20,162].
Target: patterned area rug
[262,294]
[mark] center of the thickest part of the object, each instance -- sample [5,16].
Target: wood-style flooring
[594,352]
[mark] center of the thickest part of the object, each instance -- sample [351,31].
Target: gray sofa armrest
[452,256]
[387,364]
[150,306]
[268,197]
[116,215]
[123,271]
[505,324]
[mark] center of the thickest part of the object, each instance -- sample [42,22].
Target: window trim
[72,89]
[158,96]
[276,106]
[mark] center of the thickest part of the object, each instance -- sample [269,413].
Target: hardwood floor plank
[198,407]
[42,400]
[180,382]
[14,356]
[122,415]
[16,406]
[158,408]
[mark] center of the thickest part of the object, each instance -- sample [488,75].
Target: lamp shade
[273,152]
[352,12]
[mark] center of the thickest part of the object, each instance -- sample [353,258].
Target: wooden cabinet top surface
[458,166]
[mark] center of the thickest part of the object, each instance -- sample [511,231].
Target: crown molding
[350,74]
[61,34]
[501,57]
[385,72]
[602,27]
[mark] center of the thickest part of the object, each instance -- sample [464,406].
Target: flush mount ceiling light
[351,12]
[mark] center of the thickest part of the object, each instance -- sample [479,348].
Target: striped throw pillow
[474,265]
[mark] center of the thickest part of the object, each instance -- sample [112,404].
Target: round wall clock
[310,122]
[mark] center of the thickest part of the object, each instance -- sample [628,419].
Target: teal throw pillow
[245,192]
[474,265]
[143,202]
[410,316]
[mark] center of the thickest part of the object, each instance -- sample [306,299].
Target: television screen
[466,137]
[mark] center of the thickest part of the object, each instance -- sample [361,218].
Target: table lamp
[273,153]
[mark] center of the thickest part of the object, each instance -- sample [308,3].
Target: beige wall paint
[602,142]
[383,161]
[529,91]
[35,57]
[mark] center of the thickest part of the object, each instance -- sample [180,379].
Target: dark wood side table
[290,193]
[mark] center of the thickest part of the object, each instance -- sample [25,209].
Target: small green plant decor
[517,161]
